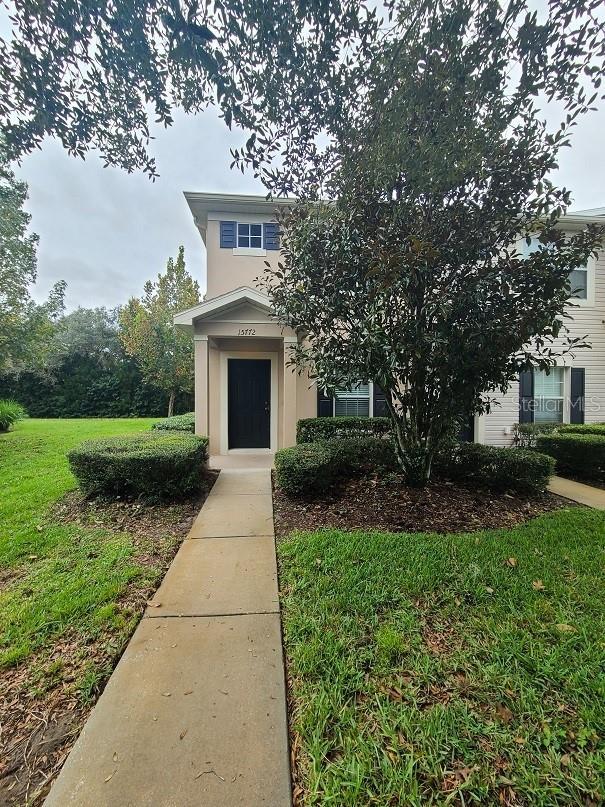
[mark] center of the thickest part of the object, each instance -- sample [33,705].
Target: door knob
[267,408]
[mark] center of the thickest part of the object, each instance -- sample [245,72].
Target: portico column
[200,344]
[289,419]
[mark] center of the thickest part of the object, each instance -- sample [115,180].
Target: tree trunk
[415,452]
[171,404]
[415,456]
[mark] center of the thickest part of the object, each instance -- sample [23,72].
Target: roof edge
[186,319]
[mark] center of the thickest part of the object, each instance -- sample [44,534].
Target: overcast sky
[105,232]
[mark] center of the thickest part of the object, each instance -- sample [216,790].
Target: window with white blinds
[353,402]
[548,395]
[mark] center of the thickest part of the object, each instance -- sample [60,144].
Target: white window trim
[224,404]
[589,300]
[251,252]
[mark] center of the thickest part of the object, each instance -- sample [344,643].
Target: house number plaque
[247,332]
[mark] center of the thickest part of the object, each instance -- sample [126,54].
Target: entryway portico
[247,397]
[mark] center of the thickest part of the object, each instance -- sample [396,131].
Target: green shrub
[178,423]
[517,469]
[152,466]
[10,413]
[306,468]
[353,456]
[526,434]
[310,468]
[310,430]
[583,428]
[581,455]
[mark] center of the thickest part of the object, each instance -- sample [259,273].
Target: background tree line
[89,374]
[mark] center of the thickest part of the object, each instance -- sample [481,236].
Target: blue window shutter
[380,409]
[576,409]
[324,404]
[271,232]
[228,234]
[526,396]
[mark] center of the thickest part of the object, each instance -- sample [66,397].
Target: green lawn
[458,669]
[57,577]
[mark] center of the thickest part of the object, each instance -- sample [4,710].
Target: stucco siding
[226,270]
[588,320]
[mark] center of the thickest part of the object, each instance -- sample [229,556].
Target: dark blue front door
[249,404]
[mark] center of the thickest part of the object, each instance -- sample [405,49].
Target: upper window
[250,235]
[548,395]
[578,280]
[354,401]
[249,238]
[578,277]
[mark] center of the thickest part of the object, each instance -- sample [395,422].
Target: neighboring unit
[249,399]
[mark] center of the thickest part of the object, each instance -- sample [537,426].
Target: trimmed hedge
[10,413]
[177,423]
[526,434]
[583,428]
[310,430]
[306,468]
[581,455]
[310,468]
[151,466]
[517,469]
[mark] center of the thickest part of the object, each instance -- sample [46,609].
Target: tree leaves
[147,332]
[94,75]
[26,328]
[411,277]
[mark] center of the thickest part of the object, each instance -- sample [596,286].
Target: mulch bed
[41,711]
[388,505]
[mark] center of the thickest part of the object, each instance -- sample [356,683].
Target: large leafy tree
[164,354]
[412,276]
[94,74]
[89,332]
[26,327]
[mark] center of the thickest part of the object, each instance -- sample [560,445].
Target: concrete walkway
[578,492]
[194,714]
[240,461]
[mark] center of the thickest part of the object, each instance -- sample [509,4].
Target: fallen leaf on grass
[512,562]
[504,713]
[565,628]
[538,585]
